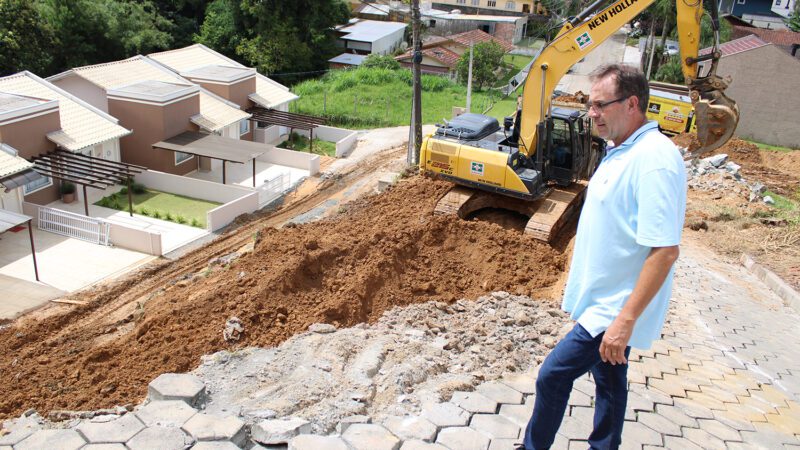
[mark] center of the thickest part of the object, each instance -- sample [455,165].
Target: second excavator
[537,164]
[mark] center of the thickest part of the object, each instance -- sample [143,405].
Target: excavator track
[548,214]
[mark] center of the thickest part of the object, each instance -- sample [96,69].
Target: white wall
[388,43]
[291,158]
[224,214]
[191,187]
[267,135]
[237,200]
[345,139]
[11,201]
[84,90]
[135,239]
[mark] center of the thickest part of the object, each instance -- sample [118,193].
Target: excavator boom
[716,115]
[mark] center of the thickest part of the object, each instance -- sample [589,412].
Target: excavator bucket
[716,115]
[716,121]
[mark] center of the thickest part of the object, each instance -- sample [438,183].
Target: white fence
[273,188]
[72,225]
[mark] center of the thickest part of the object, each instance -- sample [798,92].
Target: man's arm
[654,271]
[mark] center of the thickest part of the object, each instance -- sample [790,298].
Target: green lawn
[300,144]
[162,205]
[772,147]
[373,98]
[513,63]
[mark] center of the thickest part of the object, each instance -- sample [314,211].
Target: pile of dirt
[383,251]
[578,97]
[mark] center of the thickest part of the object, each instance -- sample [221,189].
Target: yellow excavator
[537,164]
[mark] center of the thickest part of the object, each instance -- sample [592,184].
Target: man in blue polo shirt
[620,278]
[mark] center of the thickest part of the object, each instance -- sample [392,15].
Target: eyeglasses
[600,106]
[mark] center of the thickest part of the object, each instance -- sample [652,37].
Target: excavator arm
[716,115]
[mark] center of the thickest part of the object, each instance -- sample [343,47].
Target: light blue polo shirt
[636,200]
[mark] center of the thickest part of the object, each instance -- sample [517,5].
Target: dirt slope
[383,251]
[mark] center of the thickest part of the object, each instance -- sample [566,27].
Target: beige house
[232,81]
[156,104]
[37,117]
[768,109]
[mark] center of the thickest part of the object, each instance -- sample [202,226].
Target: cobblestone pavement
[725,375]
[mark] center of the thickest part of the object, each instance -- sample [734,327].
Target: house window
[476,2]
[37,185]
[244,126]
[491,3]
[182,157]
[461,2]
[431,24]
[511,5]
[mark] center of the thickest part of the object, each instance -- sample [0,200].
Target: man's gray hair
[630,81]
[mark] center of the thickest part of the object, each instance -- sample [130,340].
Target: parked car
[671,49]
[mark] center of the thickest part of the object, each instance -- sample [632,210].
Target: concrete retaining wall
[236,200]
[345,139]
[190,187]
[291,158]
[224,214]
[138,240]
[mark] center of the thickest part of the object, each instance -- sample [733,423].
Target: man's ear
[634,102]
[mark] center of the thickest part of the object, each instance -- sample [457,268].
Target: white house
[370,36]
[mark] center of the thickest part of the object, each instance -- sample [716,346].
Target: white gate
[72,225]
[273,188]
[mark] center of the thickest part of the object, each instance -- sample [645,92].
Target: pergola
[287,119]
[215,147]
[86,171]
[9,220]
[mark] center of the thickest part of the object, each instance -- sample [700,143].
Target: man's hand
[655,269]
[615,340]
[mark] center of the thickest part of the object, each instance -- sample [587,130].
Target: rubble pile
[718,173]
[422,352]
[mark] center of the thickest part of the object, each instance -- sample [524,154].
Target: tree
[486,58]
[289,36]
[94,31]
[220,28]
[670,72]
[793,22]
[25,42]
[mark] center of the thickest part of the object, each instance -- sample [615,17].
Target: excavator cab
[569,152]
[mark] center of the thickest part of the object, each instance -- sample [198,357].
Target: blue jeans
[575,355]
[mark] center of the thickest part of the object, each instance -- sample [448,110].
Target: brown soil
[384,251]
[735,225]
[578,97]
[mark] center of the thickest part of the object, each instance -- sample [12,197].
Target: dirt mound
[381,252]
[578,97]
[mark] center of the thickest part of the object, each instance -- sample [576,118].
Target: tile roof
[82,125]
[777,37]
[735,46]
[198,55]
[447,57]
[217,113]
[11,164]
[476,36]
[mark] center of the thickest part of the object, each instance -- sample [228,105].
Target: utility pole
[469,80]
[415,144]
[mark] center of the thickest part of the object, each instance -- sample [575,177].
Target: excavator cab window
[562,150]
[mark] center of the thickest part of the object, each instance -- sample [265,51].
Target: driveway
[65,265]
